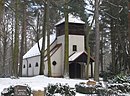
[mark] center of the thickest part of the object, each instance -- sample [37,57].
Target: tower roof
[72,19]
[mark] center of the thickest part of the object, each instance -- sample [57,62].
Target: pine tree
[114,14]
[16,42]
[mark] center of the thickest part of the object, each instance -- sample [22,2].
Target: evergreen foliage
[64,90]
[114,26]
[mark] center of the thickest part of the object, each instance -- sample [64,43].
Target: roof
[34,51]
[80,57]
[72,19]
[53,50]
[75,55]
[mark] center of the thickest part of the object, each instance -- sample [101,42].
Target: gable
[80,57]
[34,51]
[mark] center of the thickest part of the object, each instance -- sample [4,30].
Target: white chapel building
[77,53]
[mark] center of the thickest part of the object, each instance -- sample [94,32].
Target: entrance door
[75,70]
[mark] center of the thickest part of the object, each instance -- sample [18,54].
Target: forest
[24,22]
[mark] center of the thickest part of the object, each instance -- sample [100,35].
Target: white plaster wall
[36,69]
[76,40]
[73,40]
[57,69]
[24,70]
[31,71]
[60,40]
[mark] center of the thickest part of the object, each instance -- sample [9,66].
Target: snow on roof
[34,51]
[75,55]
[72,19]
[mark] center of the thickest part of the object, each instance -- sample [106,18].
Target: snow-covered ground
[38,82]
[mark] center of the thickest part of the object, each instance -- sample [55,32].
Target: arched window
[24,66]
[29,65]
[36,65]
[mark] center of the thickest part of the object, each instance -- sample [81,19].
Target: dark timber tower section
[74,29]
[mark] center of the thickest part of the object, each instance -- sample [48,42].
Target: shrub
[120,79]
[96,89]
[64,90]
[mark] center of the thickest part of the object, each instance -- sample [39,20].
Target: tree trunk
[4,39]
[87,33]
[88,62]
[4,52]
[101,55]
[96,71]
[113,47]
[48,39]
[12,40]
[1,29]
[66,51]
[16,42]
[23,35]
[44,26]
[1,11]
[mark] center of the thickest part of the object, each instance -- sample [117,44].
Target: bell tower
[76,34]
[76,26]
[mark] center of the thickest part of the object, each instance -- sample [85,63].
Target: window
[54,63]
[24,66]
[74,47]
[29,65]
[36,65]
